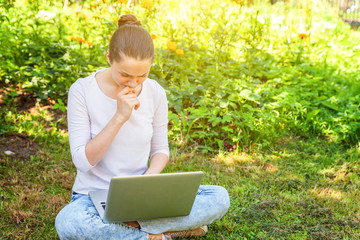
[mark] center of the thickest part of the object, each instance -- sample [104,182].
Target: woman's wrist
[119,119]
[157,163]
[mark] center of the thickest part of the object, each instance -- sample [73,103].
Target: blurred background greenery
[236,72]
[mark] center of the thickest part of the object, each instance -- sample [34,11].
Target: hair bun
[128,19]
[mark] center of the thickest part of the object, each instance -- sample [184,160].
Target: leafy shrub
[239,73]
[38,60]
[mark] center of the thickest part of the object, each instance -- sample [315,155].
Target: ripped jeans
[80,220]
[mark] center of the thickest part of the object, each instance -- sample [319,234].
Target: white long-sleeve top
[145,133]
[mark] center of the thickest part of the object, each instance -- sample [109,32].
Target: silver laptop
[153,196]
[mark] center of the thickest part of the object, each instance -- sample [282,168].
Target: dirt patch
[20,146]
[25,102]
[11,96]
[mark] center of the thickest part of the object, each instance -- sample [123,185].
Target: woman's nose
[132,83]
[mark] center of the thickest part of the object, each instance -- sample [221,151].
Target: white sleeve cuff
[80,160]
[164,151]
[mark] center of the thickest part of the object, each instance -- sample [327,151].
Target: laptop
[132,198]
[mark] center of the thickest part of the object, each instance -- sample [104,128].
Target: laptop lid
[132,198]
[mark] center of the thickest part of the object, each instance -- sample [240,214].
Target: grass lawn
[304,187]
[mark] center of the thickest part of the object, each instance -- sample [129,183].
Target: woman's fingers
[126,102]
[137,105]
[133,101]
[130,92]
[126,90]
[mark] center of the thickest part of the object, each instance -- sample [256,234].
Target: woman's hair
[130,40]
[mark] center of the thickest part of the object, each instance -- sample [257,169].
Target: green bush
[242,73]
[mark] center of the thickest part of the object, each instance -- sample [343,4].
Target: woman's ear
[108,57]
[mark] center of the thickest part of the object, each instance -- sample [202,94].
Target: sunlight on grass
[233,158]
[271,168]
[327,193]
[280,156]
[327,172]
[254,160]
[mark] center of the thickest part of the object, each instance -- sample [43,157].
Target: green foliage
[36,57]
[257,74]
[250,73]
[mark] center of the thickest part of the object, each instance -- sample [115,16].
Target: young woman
[117,118]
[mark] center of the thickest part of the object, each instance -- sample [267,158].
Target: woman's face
[129,72]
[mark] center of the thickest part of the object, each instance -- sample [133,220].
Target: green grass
[301,188]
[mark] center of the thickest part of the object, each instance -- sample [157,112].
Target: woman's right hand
[97,147]
[126,102]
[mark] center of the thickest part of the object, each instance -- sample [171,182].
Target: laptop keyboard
[103,205]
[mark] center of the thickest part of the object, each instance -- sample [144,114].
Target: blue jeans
[80,220]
